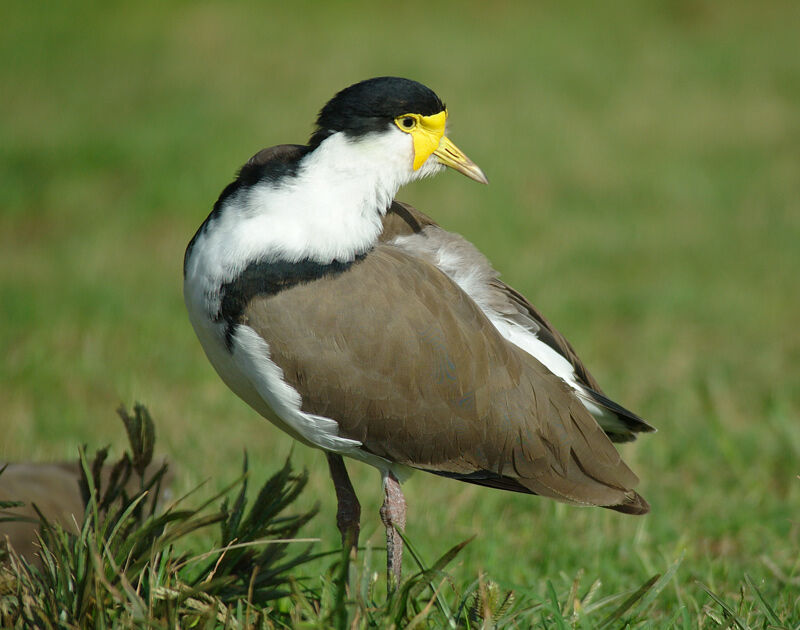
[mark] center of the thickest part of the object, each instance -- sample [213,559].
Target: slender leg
[393,515]
[348,514]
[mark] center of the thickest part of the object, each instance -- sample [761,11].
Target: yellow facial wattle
[426,132]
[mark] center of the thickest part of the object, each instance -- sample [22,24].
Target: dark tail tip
[634,503]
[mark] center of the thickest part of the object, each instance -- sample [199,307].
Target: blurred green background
[644,161]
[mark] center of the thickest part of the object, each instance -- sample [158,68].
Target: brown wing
[407,364]
[404,220]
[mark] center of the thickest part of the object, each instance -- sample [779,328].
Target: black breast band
[269,278]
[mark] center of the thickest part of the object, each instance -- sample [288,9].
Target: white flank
[251,356]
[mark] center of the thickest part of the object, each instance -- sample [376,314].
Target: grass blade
[768,610]
[629,603]
[732,616]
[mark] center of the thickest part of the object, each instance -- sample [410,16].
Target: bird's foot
[348,514]
[393,515]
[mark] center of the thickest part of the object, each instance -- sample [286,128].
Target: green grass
[128,566]
[645,194]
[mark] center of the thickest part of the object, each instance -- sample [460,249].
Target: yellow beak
[450,155]
[429,138]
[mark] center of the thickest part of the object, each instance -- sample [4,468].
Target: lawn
[645,193]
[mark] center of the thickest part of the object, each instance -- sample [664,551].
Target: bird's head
[396,115]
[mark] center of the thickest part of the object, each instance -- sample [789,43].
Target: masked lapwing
[359,326]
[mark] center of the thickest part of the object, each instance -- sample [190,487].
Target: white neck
[331,210]
[344,178]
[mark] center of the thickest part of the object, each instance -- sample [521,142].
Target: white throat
[346,178]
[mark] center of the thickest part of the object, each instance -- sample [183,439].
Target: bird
[54,489]
[359,326]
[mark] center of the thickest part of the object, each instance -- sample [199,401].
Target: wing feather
[406,364]
[620,423]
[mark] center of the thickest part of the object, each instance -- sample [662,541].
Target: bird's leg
[393,515]
[348,514]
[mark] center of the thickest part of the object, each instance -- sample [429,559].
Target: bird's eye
[406,123]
